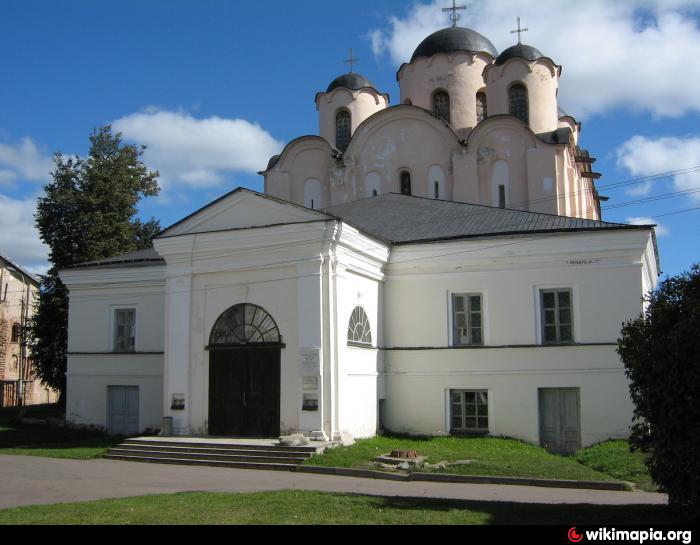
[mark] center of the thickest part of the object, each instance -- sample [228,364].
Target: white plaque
[310,361]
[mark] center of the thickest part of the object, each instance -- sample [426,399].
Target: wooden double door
[560,419]
[244,392]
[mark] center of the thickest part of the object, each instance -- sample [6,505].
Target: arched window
[405,183]
[342,130]
[244,324]
[16,330]
[481,107]
[517,100]
[441,105]
[358,329]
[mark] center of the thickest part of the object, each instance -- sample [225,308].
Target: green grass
[303,507]
[491,456]
[614,458]
[52,442]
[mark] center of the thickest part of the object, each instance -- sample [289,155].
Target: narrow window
[557,316]
[467,323]
[441,105]
[124,330]
[312,203]
[4,297]
[469,411]
[342,130]
[481,108]
[359,332]
[16,333]
[405,183]
[437,190]
[517,99]
[501,196]
[374,193]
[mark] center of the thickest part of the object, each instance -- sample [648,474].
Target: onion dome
[350,81]
[453,39]
[521,51]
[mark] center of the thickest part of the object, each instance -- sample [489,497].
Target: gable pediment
[242,209]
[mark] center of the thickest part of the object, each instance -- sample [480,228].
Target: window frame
[556,290]
[454,339]
[463,415]
[115,325]
[359,344]
[338,113]
[522,85]
[433,108]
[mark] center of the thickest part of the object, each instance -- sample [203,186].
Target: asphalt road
[27,480]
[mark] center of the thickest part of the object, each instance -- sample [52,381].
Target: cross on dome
[351,61]
[519,31]
[454,16]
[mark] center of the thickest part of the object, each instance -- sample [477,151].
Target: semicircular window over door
[359,332]
[245,324]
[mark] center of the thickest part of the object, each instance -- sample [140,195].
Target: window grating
[359,331]
[517,99]
[342,130]
[244,324]
[481,107]
[441,105]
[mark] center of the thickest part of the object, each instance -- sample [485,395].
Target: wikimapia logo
[637,536]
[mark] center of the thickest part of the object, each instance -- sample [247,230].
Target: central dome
[450,40]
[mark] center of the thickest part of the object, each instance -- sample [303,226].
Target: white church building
[435,267]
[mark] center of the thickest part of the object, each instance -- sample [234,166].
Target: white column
[178,303]
[311,345]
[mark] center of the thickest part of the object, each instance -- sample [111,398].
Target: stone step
[242,451]
[242,457]
[226,446]
[199,462]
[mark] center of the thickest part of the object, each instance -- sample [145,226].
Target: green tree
[87,213]
[661,353]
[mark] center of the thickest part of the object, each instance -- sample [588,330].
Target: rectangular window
[557,316]
[467,323]
[469,411]
[125,330]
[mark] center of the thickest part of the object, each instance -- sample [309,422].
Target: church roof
[453,39]
[521,51]
[402,219]
[351,81]
[139,258]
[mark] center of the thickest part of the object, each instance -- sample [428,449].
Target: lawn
[303,507]
[496,456]
[53,442]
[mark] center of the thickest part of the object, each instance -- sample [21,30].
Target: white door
[560,420]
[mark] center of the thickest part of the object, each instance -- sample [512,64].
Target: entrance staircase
[241,454]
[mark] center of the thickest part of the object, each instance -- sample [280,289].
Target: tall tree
[661,353]
[87,213]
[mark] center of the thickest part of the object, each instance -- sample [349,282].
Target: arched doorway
[244,373]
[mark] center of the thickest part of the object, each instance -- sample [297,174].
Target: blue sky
[215,87]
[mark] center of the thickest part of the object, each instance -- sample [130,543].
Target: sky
[213,88]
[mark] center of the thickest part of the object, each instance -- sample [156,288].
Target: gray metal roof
[140,258]
[350,81]
[450,40]
[522,51]
[402,219]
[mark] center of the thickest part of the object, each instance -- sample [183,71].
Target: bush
[661,354]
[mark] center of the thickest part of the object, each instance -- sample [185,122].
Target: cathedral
[435,267]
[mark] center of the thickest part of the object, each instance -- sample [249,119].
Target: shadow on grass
[500,513]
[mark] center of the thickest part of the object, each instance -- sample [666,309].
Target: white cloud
[638,54]
[198,152]
[19,239]
[24,161]
[642,156]
[661,230]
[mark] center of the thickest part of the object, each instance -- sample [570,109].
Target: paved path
[26,480]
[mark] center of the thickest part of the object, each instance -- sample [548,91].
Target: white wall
[605,272]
